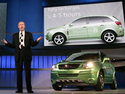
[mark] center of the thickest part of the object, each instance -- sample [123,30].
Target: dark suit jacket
[28,43]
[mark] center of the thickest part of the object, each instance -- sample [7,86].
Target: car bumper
[49,37]
[77,78]
[120,32]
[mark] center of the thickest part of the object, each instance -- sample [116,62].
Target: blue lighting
[68,2]
[54,60]
[36,61]
[50,62]
[3,61]
[45,62]
[12,61]
[0,62]
[44,3]
[40,62]
[8,61]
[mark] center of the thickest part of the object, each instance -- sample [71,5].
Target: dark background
[3,9]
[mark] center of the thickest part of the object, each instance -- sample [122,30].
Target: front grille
[68,75]
[69,66]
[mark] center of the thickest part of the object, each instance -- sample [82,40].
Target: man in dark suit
[22,42]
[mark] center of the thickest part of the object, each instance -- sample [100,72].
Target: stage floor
[66,91]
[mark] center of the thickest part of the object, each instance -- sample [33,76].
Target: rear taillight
[118,23]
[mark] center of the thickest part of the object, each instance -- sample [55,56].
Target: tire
[80,88]
[59,39]
[57,87]
[114,84]
[100,83]
[109,37]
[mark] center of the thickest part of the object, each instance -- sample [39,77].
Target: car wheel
[114,84]
[100,82]
[57,87]
[59,39]
[109,37]
[80,87]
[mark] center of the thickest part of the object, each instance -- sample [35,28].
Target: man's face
[21,26]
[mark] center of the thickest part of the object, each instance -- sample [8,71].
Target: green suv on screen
[84,69]
[106,28]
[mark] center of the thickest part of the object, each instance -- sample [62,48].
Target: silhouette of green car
[84,69]
[106,28]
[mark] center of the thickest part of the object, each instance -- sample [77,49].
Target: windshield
[83,57]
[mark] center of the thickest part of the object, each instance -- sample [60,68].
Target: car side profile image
[84,69]
[106,28]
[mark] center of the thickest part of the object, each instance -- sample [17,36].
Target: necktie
[21,41]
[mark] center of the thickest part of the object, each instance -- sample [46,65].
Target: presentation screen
[3,7]
[84,24]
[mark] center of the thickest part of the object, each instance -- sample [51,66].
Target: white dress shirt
[23,32]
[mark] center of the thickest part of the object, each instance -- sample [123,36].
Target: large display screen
[3,7]
[84,24]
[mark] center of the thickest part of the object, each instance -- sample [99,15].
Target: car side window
[94,20]
[81,21]
[106,19]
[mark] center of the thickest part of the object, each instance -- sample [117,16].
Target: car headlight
[88,65]
[54,67]
[47,33]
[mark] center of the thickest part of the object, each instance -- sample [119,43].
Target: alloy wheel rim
[59,39]
[109,37]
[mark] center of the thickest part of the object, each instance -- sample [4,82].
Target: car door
[78,29]
[108,71]
[95,26]
[112,69]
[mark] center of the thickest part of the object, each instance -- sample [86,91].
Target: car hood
[75,62]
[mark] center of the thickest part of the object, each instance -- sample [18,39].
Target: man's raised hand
[38,39]
[4,41]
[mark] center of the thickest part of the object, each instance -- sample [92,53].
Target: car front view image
[84,69]
[107,28]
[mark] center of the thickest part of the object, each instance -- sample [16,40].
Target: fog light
[63,81]
[79,80]
[57,80]
[67,80]
[91,80]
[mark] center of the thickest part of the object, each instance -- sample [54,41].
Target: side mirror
[62,60]
[106,59]
[70,25]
